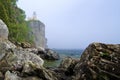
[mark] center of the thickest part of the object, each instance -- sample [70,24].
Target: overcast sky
[76,23]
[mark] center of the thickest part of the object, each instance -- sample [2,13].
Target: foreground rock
[20,64]
[65,70]
[17,63]
[99,62]
[68,65]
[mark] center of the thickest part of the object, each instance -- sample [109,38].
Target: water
[74,53]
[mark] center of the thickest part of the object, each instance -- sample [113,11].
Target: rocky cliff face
[38,32]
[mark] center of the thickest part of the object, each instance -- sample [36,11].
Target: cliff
[38,32]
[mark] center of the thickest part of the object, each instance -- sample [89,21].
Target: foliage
[14,17]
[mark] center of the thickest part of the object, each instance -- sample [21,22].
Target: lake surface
[74,53]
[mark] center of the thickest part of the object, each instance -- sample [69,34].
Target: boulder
[21,64]
[47,54]
[46,74]
[68,65]
[6,53]
[65,69]
[13,61]
[3,30]
[99,62]
[13,58]
[11,76]
[51,55]
[6,45]
[40,49]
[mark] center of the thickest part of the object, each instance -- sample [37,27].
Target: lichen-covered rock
[26,56]
[21,64]
[6,55]
[13,58]
[11,76]
[6,45]
[17,58]
[99,62]
[68,65]
[17,63]
[65,69]
[3,30]
[67,62]
[47,74]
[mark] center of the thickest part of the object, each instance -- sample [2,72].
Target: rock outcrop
[3,30]
[38,32]
[49,55]
[17,63]
[99,62]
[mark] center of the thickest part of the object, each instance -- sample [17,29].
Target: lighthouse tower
[34,16]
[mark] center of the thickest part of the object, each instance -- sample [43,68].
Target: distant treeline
[14,17]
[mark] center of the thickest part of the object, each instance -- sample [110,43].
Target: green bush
[14,17]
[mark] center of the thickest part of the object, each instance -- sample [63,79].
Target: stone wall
[38,31]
